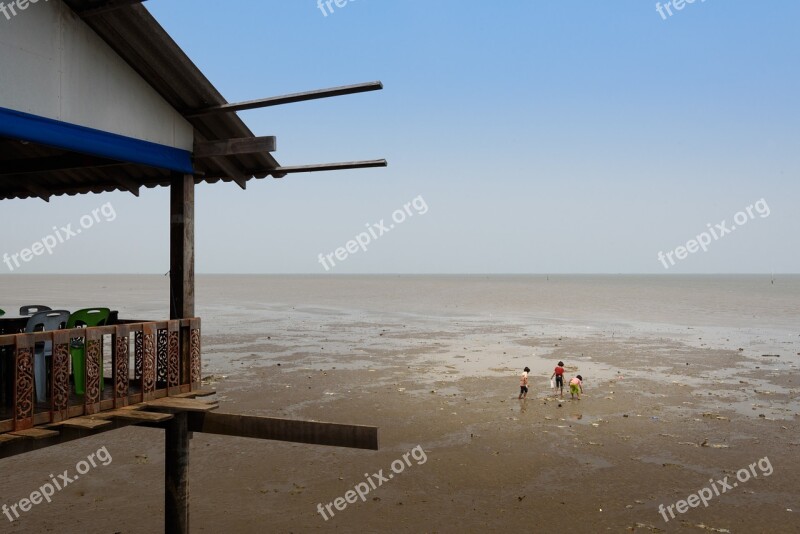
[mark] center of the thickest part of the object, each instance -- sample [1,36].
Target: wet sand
[650,429]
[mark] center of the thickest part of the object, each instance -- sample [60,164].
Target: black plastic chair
[32,309]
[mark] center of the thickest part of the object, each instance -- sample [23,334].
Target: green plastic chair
[77,348]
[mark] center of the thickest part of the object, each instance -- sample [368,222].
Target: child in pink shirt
[576,387]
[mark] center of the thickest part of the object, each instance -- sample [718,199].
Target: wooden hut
[96,97]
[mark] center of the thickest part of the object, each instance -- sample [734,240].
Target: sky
[522,137]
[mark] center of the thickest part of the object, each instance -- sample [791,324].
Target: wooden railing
[149,360]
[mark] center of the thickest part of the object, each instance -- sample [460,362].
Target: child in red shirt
[559,375]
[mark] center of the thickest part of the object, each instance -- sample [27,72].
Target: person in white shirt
[523,384]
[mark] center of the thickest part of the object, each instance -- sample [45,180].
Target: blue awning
[27,127]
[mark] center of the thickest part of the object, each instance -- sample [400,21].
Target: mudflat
[688,420]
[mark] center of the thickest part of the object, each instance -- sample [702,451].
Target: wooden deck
[148,361]
[152,413]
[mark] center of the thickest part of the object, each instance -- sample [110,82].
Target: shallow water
[320,315]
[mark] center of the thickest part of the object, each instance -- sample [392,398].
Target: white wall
[53,65]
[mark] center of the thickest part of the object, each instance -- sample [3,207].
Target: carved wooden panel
[161,351]
[149,363]
[138,354]
[23,389]
[194,351]
[174,353]
[61,387]
[94,349]
[121,364]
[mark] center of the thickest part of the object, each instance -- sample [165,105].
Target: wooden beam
[82,423]
[280,172]
[232,147]
[175,405]
[35,433]
[181,273]
[135,416]
[331,166]
[287,99]
[310,432]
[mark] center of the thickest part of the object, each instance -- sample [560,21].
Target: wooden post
[181,304]
[176,490]
[176,469]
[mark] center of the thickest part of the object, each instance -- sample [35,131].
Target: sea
[758,312]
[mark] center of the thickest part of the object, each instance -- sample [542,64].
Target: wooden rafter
[287,99]
[280,172]
[331,166]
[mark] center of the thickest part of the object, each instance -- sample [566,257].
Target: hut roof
[36,169]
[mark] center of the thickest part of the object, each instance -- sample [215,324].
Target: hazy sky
[540,136]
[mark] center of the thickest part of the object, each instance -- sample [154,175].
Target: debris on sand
[712,529]
[714,445]
[650,528]
[715,416]
[213,379]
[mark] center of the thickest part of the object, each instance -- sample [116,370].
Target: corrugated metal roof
[133,33]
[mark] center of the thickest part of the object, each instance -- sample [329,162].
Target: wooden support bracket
[310,432]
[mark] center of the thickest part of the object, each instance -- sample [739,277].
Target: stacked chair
[77,348]
[44,321]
